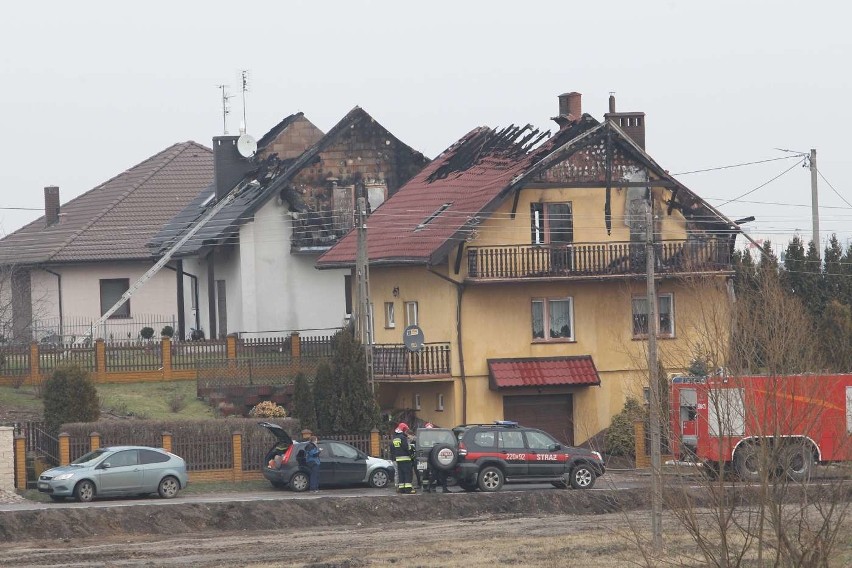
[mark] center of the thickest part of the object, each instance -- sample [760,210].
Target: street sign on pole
[413,338]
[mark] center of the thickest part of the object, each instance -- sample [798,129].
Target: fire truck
[748,424]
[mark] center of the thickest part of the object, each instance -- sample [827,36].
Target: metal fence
[191,354]
[202,454]
[52,356]
[71,329]
[15,360]
[134,356]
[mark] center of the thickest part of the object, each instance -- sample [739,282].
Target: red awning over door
[548,371]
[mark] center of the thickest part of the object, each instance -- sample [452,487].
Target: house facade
[253,261]
[523,263]
[64,270]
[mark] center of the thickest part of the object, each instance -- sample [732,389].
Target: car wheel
[491,479]
[300,481]
[57,498]
[797,460]
[84,491]
[443,457]
[747,463]
[583,477]
[379,478]
[169,487]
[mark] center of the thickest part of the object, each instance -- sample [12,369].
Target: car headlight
[63,477]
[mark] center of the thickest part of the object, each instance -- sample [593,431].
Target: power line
[736,165]
[832,188]
[764,184]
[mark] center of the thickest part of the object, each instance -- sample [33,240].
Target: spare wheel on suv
[443,457]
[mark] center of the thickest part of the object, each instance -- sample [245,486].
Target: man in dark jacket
[402,457]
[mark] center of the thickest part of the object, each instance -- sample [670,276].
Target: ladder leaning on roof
[168,255]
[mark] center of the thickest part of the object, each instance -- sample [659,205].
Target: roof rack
[495,424]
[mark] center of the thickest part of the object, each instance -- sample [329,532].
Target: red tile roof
[116,219]
[551,371]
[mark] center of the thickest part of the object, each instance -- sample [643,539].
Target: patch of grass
[154,400]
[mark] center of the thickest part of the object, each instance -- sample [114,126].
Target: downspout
[459,293]
[59,294]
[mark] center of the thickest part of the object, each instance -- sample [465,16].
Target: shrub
[619,437]
[167,331]
[147,332]
[69,396]
[177,402]
[267,409]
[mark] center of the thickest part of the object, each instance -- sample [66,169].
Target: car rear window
[150,456]
[428,438]
[484,439]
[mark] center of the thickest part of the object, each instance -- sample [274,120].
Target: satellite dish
[246,146]
[413,338]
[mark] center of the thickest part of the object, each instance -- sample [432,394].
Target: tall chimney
[632,123]
[51,205]
[570,105]
[229,167]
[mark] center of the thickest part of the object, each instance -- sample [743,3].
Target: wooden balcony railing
[596,259]
[394,360]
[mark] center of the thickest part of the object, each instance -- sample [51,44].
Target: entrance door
[553,413]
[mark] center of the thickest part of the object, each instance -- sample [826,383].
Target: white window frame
[671,315]
[545,302]
[390,322]
[417,401]
[439,402]
[371,325]
[412,313]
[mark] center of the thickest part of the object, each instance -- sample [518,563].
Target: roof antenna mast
[226,108]
[244,78]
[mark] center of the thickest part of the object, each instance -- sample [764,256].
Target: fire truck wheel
[747,463]
[797,461]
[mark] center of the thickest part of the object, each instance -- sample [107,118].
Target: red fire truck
[740,423]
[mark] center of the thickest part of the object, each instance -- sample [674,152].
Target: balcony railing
[596,259]
[394,360]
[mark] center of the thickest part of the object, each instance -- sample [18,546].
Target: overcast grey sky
[89,89]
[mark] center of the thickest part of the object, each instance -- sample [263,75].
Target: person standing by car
[416,478]
[312,460]
[402,457]
[433,476]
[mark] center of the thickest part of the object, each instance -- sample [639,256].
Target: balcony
[595,260]
[395,361]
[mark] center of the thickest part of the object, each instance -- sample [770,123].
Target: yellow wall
[496,318]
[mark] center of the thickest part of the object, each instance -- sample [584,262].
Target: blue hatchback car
[117,471]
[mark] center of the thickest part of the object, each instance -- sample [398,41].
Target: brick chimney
[570,108]
[632,123]
[229,167]
[51,205]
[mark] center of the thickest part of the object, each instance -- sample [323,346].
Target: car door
[153,464]
[350,465]
[510,444]
[120,473]
[542,455]
[328,465]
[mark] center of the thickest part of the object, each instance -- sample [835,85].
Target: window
[417,401]
[551,223]
[553,319]
[539,441]
[665,307]
[510,440]
[343,450]
[111,291]
[484,439]
[121,459]
[439,402]
[389,316]
[347,293]
[411,314]
[150,456]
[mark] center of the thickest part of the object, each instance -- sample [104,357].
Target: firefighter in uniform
[402,457]
[412,451]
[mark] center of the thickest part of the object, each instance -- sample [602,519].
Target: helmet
[428,425]
[403,427]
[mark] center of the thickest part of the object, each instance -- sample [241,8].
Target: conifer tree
[832,279]
[357,410]
[303,403]
[325,398]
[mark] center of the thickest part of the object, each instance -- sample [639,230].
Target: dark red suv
[505,452]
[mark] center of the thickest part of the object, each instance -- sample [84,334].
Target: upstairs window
[390,321]
[665,307]
[551,223]
[553,319]
[411,314]
[111,291]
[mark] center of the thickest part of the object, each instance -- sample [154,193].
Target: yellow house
[523,264]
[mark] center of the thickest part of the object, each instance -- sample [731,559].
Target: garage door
[552,413]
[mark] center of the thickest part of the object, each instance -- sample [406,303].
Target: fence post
[167,441]
[64,448]
[295,345]
[100,356]
[231,350]
[35,363]
[237,446]
[375,447]
[94,441]
[21,462]
[166,347]
[642,460]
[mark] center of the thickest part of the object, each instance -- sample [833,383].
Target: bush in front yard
[267,409]
[69,396]
[619,439]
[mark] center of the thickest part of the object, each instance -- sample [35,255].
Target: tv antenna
[226,108]
[244,80]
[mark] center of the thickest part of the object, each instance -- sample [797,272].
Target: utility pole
[363,330]
[814,199]
[653,381]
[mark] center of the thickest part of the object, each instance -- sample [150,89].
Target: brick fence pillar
[642,459]
[7,458]
[94,441]
[295,345]
[237,444]
[375,443]
[167,441]
[21,462]
[166,346]
[100,356]
[35,364]
[231,350]
[64,448]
